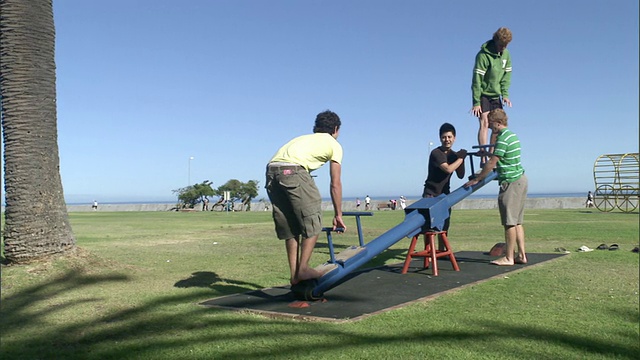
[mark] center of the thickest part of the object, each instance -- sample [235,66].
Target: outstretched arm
[479,70]
[505,82]
[488,168]
[335,170]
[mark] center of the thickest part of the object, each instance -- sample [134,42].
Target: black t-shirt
[438,180]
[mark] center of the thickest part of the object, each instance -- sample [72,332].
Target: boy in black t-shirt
[443,161]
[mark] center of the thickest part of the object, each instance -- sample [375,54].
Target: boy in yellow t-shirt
[297,211]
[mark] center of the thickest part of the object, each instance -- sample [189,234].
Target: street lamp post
[189,172]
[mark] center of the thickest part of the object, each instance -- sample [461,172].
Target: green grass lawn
[125,294]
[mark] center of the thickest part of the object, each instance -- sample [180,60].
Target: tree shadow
[163,326]
[386,256]
[602,347]
[211,280]
[16,307]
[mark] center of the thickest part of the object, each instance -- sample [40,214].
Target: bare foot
[503,261]
[521,260]
[307,274]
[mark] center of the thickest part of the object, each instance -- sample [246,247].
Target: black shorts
[488,104]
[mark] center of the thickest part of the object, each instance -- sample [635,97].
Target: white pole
[189,171]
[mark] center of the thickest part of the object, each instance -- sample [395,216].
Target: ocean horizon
[376,198]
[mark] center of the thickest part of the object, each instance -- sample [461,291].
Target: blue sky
[144,85]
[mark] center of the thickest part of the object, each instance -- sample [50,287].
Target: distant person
[491,81]
[297,204]
[443,161]
[513,186]
[205,204]
[589,202]
[220,203]
[403,202]
[357,203]
[95,205]
[367,203]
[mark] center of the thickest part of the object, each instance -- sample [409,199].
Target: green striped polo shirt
[508,150]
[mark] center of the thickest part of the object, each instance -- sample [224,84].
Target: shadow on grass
[615,212]
[164,328]
[211,280]
[378,260]
[15,309]
[324,247]
[603,347]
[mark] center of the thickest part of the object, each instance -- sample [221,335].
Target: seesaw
[421,216]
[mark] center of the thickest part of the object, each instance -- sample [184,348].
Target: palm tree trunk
[36,219]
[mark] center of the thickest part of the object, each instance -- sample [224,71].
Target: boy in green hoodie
[491,80]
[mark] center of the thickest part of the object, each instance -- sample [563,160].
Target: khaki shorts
[511,201]
[297,205]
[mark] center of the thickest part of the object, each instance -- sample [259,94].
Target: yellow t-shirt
[310,151]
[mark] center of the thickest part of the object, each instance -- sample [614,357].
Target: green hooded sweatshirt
[491,73]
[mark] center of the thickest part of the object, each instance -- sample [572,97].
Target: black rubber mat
[370,291]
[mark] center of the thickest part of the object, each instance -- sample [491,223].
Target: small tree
[191,195]
[240,191]
[249,192]
[234,188]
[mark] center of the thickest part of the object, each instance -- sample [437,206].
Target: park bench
[382,206]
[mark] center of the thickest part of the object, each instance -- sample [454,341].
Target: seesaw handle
[483,146]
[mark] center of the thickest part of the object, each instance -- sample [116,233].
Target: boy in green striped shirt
[513,186]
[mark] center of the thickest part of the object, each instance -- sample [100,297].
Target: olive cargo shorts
[297,205]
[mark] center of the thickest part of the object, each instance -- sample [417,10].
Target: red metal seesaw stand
[431,252]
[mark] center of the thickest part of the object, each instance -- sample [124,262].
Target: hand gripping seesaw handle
[328,230]
[483,151]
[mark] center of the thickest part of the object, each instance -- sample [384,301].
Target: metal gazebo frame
[617,181]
